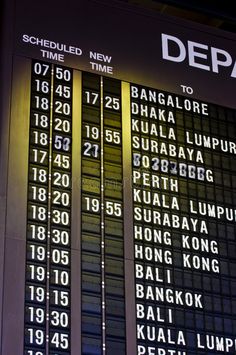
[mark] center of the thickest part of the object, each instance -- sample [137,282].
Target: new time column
[103,310]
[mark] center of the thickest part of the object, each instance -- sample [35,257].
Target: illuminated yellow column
[128,225]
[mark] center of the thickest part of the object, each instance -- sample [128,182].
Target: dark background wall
[220,14]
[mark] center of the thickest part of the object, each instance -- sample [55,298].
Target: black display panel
[182,221]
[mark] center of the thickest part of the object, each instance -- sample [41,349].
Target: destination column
[154,196]
[184,221]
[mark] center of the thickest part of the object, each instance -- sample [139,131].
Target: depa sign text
[198,55]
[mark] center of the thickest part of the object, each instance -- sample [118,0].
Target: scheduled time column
[60,228]
[38,211]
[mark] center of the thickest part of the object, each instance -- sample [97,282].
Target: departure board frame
[118,183]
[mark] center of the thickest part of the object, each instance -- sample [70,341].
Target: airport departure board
[119,220]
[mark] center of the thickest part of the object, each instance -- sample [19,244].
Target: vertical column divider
[49,214]
[103,225]
[76,184]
